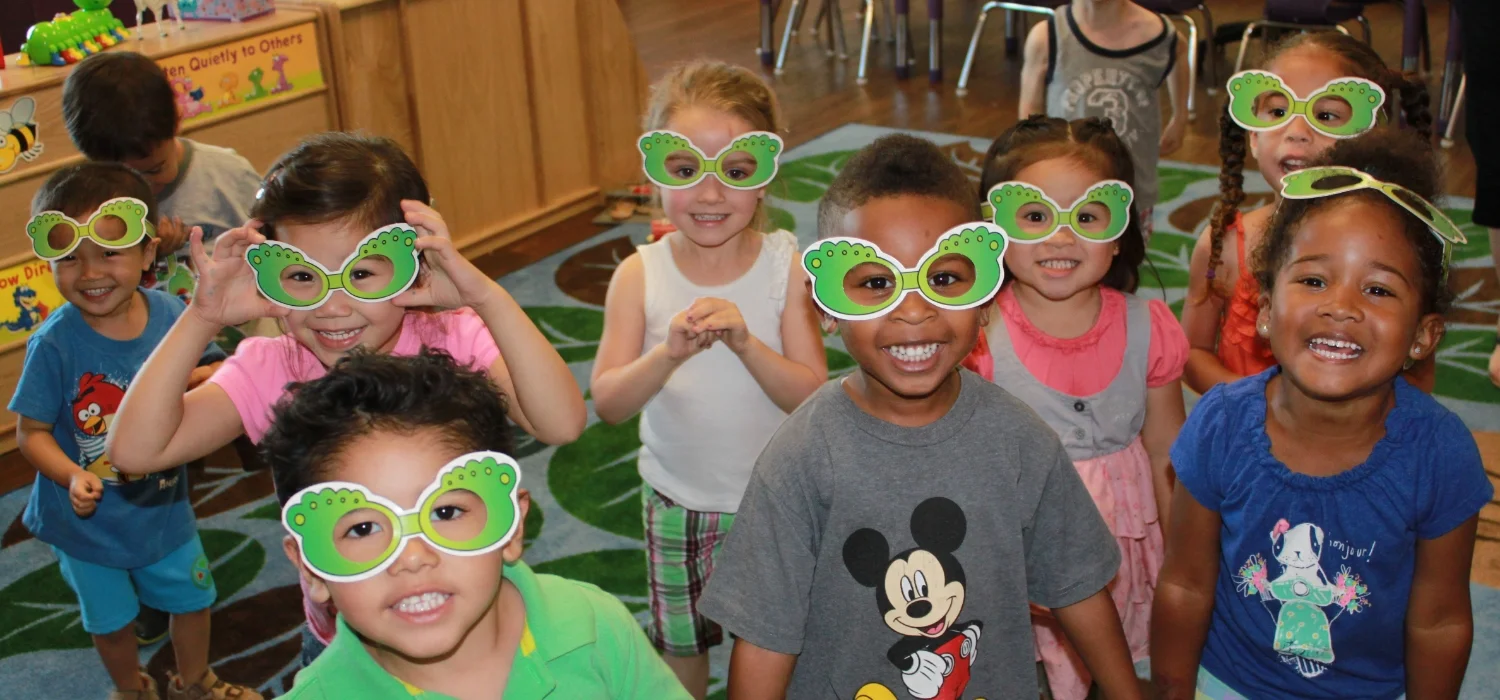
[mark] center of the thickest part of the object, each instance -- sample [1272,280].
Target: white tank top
[701,434]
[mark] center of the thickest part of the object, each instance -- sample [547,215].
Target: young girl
[1322,536]
[1223,296]
[1100,365]
[709,334]
[319,204]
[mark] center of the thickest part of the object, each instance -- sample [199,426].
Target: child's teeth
[1335,349]
[710,217]
[1059,264]
[338,335]
[422,603]
[913,353]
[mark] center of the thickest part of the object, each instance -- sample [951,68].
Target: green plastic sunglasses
[1352,103]
[348,533]
[855,281]
[673,162]
[118,223]
[1027,215]
[383,265]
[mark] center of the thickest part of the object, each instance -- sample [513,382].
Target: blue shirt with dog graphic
[1315,572]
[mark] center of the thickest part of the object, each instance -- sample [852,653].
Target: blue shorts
[109,599]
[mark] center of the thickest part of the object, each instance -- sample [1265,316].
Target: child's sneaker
[147,692]
[209,688]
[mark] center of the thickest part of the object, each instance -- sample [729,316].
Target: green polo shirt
[579,642]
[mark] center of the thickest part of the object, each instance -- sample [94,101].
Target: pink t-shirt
[256,376]
[1085,365]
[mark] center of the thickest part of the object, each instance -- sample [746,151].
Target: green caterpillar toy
[67,39]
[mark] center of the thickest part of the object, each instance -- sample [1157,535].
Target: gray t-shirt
[906,556]
[214,189]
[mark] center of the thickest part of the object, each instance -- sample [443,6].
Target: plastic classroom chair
[1304,15]
[1039,7]
[1179,9]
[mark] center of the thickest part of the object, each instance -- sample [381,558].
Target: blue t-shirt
[1315,572]
[74,378]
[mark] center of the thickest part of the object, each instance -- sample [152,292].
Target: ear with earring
[1416,354]
[1263,327]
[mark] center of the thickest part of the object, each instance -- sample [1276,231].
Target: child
[1223,298]
[119,106]
[120,541]
[320,204]
[708,334]
[1322,536]
[1098,364]
[937,492]
[1109,58]
[436,616]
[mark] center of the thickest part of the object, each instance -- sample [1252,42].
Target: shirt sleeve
[254,378]
[1452,486]
[770,555]
[1070,553]
[1193,452]
[39,393]
[1169,346]
[637,671]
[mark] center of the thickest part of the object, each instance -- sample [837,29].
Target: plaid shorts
[681,546]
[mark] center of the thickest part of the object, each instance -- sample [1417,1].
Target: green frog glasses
[383,265]
[672,161]
[118,223]
[346,533]
[1027,215]
[1343,108]
[1327,181]
[855,281]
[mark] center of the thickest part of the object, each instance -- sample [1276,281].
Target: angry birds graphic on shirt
[94,408]
[920,594]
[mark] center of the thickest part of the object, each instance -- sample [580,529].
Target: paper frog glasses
[1027,215]
[117,223]
[1344,108]
[347,533]
[1327,181]
[383,265]
[672,161]
[855,281]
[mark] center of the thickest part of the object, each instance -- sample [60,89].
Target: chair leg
[1012,33]
[963,76]
[903,39]
[767,19]
[838,27]
[793,17]
[1210,66]
[864,43]
[1192,58]
[1239,62]
[1458,103]
[890,21]
[935,41]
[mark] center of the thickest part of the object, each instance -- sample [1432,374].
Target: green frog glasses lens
[348,533]
[383,265]
[672,161]
[854,280]
[1027,215]
[117,223]
[1343,108]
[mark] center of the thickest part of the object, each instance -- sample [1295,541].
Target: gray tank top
[1089,426]
[1085,80]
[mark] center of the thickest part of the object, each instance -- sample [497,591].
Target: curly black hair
[1093,142]
[118,105]
[1400,157]
[368,392]
[895,166]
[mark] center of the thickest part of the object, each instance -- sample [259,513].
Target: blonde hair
[721,86]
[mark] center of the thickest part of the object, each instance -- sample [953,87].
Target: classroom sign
[233,75]
[27,295]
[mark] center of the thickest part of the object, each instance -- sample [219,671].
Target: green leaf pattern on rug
[805,179]
[618,571]
[573,331]
[595,478]
[1171,182]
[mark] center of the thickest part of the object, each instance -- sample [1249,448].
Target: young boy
[924,487]
[120,542]
[434,624]
[1109,58]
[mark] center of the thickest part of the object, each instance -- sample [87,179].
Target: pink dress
[1120,482]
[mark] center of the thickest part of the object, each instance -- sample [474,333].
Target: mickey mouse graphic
[920,593]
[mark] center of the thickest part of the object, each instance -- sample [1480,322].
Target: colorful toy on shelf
[158,8]
[68,38]
[257,91]
[278,64]
[232,10]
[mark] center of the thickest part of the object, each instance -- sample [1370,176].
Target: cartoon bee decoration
[18,137]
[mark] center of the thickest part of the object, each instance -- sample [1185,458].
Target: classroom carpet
[586,520]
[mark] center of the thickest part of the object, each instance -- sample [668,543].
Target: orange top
[1241,349]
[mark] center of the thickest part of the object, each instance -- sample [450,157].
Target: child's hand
[452,281]
[201,374]
[84,490]
[682,341]
[1171,137]
[226,293]
[721,318]
[170,235]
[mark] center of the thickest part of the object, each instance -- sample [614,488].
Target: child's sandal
[210,687]
[148,690]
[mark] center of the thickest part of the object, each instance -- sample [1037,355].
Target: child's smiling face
[1066,263]
[1346,311]
[428,601]
[343,322]
[1290,148]
[709,213]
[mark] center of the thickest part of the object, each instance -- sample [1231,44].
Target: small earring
[1264,329]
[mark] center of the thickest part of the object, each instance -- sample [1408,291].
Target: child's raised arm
[1202,311]
[1184,601]
[1439,619]
[159,427]
[1034,71]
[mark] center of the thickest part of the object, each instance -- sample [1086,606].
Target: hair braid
[1231,191]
